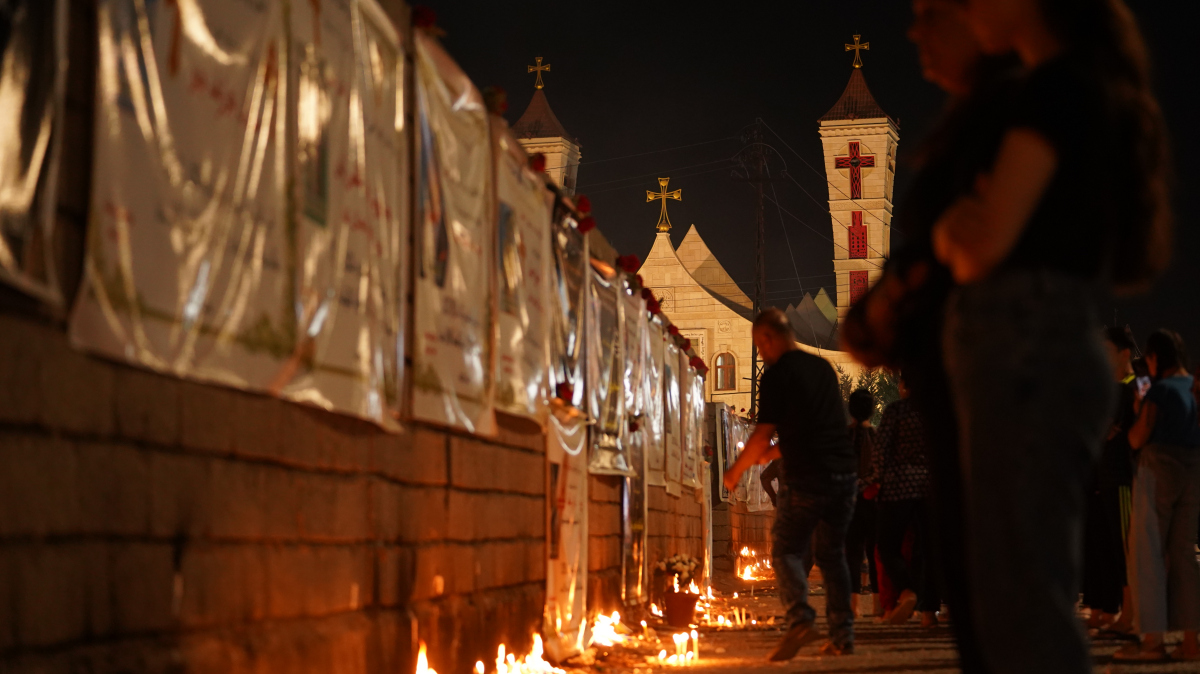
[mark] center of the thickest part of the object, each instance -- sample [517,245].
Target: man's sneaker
[791,643]
[832,649]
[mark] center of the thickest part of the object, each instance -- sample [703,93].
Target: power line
[591,162]
[656,173]
[638,185]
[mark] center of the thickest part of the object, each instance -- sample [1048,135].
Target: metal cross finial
[664,223]
[539,68]
[858,50]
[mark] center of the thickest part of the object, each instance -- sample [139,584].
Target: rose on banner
[605,374]
[188,268]
[522,279]
[672,418]
[34,81]
[652,390]
[452,354]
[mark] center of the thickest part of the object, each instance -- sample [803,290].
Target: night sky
[652,89]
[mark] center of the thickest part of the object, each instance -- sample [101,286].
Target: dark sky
[656,89]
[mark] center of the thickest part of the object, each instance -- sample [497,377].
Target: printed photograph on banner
[522,264]
[352,228]
[690,473]
[724,451]
[565,619]
[455,228]
[672,418]
[654,414]
[188,268]
[568,302]
[606,369]
[34,79]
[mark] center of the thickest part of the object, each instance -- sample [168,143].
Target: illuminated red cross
[855,161]
[858,236]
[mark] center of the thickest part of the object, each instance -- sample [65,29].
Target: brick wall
[735,527]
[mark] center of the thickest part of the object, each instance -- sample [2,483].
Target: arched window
[726,372]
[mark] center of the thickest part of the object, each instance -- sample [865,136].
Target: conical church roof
[539,121]
[704,267]
[856,101]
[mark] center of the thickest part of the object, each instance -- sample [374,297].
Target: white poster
[188,267]
[523,272]
[352,236]
[33,77]
[452,310]
[654,405]
[672,418]
[692,437]
[567,536]
[605,380]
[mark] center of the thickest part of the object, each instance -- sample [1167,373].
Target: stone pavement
[879,649]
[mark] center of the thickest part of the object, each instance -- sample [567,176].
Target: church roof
[811,325]
[539,121]
[856,101]
[704,267]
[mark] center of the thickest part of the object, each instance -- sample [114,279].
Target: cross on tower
[664,223]
[539,68]
[855,161]
[858,50]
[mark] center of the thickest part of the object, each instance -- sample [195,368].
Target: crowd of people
[1014,472]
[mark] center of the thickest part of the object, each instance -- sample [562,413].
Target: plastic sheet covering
[692,437]
[655,398]
[605,380]
[522,280]
[672,417]
[33,74]
[570,279]
[723,450]
[634,347]
[707,523]
[188,267]
[635,588]
[452,363]
[351,235]
[754,490]
[567,538]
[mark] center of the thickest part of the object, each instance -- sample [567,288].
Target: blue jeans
[826,508]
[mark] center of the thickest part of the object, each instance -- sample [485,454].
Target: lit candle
[696,644]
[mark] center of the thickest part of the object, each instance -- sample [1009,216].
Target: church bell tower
[539,130]
[859,140]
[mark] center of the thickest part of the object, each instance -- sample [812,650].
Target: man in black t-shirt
[800,400]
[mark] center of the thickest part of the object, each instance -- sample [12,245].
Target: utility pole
[753,158]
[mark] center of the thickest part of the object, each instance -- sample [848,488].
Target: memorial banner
[352,214]
[188,268]
[570,283]
[672,417]
[33,49]
[455,225]
[522,263]
[724,450]
[635,588]
[605,376]
[654,400]
[565,620]
[692,437]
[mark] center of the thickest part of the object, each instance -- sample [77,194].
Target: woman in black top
[1073,206]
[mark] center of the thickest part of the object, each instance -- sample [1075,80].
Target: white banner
[655,396]
[723,451]
[34,81]
[188,268]
[570,282]
[672,417]
[522,280]
[567,537]
[605,380]
[352,235]
[692,433]
[452,355]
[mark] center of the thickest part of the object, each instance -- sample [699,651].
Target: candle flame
[423,661]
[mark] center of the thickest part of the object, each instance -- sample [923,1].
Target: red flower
[423,17]
[538,163]
[647,294]
[629,263]
[653,306]
[696,362]
[496,100]
[687,343]
[583,204]
[673,330]
[633,427]
[642,284]
[586,224]
[565,392]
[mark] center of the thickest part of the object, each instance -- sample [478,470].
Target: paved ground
[878,648]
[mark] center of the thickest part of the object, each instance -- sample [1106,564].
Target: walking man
[799,399]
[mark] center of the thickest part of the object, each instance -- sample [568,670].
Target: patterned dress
[900,465]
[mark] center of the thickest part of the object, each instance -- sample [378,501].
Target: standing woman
[1075,205]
